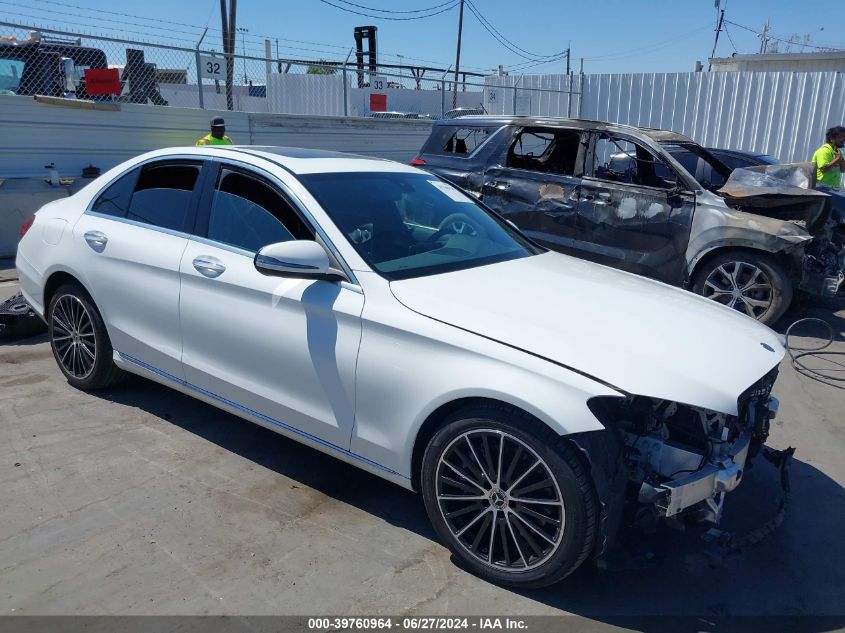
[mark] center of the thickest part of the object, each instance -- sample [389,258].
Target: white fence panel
[535,95]
[321,95]
[781,114]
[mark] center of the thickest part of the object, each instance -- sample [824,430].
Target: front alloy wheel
[500,500]
[510,498]
[749,282]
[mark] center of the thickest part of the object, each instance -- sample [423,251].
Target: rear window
[450,140]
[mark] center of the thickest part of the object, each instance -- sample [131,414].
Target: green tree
[321,68]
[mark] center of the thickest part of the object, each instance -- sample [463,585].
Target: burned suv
[620,196]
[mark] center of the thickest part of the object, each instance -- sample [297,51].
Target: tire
[752,283]
[79,340]
[566,518]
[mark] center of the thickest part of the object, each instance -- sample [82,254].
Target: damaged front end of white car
[680,461]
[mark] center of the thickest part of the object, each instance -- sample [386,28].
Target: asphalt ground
[139,500]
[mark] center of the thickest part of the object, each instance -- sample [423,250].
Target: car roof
[738,152]
[295,160]
[661,136]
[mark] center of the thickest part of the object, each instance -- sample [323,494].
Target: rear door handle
[602,198]
[96,240]
[209,266]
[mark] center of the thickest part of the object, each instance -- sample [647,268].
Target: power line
[256,38]
[730,39]
[361,6]
[451,6]
[781,39]
[92,35]
[508,44]
[649,48]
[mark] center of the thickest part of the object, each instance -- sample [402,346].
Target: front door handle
[96,240]
[209,266]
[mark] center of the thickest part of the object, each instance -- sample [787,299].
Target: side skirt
[140,368]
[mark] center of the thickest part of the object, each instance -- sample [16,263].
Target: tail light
[27,224]
[417,162]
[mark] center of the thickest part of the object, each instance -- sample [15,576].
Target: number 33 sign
[212,67]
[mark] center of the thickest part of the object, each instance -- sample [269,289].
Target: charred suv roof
[660,136]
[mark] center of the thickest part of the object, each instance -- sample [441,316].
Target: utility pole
[764,39]
[243,31]
[716,39]
[458,56]
[227,24]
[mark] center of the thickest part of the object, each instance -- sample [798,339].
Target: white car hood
[638,335]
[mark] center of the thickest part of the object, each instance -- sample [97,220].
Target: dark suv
[620,195]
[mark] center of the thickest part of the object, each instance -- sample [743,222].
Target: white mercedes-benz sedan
[377,313]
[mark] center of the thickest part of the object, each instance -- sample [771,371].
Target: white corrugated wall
[35,134]
[783,114]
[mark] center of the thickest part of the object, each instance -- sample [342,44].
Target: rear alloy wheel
[515,509]
[79,340]
[748,282]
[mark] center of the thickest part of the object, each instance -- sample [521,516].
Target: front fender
[714,227]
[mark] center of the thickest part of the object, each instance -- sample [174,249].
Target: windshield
[11,71]
[410,225]
[709,171]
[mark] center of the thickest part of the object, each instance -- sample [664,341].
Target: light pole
[243,31]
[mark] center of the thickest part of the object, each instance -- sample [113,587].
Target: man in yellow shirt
[828,158]
[217,135]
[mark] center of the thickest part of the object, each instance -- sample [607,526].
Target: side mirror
[297,258]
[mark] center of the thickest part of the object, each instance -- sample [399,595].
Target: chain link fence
[42,61]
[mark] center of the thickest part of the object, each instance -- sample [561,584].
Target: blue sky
[612,35]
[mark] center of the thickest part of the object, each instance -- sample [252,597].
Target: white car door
[131,242]
[279,347]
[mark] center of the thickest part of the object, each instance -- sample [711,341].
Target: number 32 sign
[212,67]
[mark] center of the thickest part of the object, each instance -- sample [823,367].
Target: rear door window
[164,193]
[547,151]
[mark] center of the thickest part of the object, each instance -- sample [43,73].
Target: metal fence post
[199,80]
[199,69]
[443,92]
[345,85]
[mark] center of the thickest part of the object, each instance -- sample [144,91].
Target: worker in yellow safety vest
[217,135]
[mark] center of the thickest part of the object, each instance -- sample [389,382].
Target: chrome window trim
[142,225]
[300,206]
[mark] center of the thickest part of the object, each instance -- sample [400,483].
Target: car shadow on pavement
[830,310]
[796,571]
[300,463]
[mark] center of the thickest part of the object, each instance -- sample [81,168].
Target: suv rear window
[450,140]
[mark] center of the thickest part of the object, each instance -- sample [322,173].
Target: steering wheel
[459,224]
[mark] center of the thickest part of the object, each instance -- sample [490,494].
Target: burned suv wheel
[508,497]
[79,340]
[748,282]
